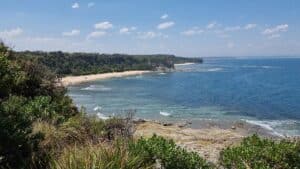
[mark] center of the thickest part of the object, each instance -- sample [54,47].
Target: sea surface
[264,92]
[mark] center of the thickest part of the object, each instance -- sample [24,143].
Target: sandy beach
[71,80]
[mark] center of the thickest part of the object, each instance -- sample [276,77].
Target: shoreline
[207,142]
[205,137]
[72,80]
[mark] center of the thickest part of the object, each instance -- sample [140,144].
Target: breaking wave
[102,116]
[275,126]
[97,88]
[97,108]
[164,113]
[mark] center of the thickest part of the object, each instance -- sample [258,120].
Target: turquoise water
[264,92]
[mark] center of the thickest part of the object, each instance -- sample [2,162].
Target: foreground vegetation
[91,63]
[41,128]
[258,153]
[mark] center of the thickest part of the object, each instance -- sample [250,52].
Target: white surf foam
[97,108]
[268,125]
[214,69]
[183,64]
[102,116]
[256,66]
[78,95]
[97,88]
[164,113]
[266,67]
[135,77]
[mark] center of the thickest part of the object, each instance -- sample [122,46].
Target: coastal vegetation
[92,63]
[255,152]
[40,127]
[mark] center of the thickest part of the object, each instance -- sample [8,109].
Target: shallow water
[263,92]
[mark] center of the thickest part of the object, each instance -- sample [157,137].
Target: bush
[169,155]
[17,143]
[119,127]
[255,152]
[28,93]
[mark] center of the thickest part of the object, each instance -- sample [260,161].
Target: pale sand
[71,80]
[208,142]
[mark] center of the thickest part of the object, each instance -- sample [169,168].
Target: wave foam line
[266,125]
[164,113]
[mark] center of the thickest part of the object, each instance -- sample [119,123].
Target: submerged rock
[167,124]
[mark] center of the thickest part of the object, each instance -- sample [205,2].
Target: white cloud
[273,36]
[91,4]
[148,35]
[193,31]
[41,39]
[276,29]
[75,5]
[223,35]
[165,16]
[103,25]
[151,35]
[230,45]
[11,33]
[165,25]
[126,30]
[250,26]
[133,28]
[74,32]
[96,34]
[211,25]
[234,28]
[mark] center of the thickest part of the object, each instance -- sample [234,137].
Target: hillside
[92,63]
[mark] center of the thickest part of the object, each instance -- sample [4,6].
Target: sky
[190,28]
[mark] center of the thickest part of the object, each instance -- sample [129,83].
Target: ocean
[264,92]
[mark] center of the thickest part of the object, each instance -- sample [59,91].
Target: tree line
[63,63]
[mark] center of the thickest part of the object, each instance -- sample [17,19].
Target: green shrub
[28,93]
[17,143]
[168,153]
[10,76]
[258,153]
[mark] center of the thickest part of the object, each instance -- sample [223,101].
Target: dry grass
[62,140]
[101,156]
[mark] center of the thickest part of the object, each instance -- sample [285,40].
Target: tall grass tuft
[101,156]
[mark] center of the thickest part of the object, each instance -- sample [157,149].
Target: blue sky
[188,28]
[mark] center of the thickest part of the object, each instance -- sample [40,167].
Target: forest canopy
[63,63]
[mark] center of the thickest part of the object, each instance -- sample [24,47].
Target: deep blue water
[262,91]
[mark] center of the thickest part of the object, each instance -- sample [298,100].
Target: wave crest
[97,88]
[164,113]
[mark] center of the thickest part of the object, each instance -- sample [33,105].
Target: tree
[28,92]
[17,143]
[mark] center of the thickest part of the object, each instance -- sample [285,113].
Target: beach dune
[71,80]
